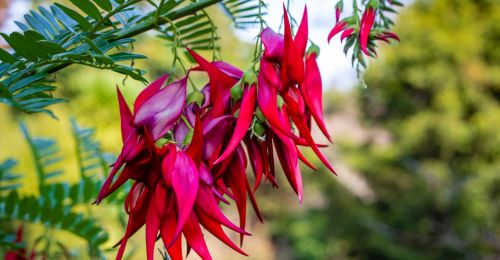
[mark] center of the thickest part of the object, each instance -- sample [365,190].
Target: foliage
[57,205]
[100,35]
[436,181]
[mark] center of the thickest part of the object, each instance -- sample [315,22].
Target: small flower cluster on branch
[361,33]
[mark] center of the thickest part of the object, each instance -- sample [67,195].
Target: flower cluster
[366,30]
[187,154]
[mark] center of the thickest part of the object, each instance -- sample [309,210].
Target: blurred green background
[417,151]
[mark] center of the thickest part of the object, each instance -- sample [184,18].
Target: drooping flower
[364,30]
[187,157]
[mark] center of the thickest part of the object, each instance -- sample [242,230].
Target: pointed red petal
[366,25]
[305,132]
[216,229]
[301,37]
[268,104]
[126,116]
[195,149]
[152,227]
[194,237]
[220,84]
[345,34]
[167,234]
[206,202]
[312,92]
[243,123]
[336,29]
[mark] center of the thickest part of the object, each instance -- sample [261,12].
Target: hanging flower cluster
[187,154]
[362,33]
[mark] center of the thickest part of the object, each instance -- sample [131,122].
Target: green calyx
[280,101]
[188,137]
[339,5]
[313,49]
[258,129]
[236,91]
[260,116]
[249,77]
[375,4]
[196,97]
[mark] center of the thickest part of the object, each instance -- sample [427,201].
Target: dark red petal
[135,222]
[256,160]
[391,35]
[253,201]
[236,181]
[216,229]
[152,227]
[194,237]
[167,234]
[287,154]
[206,202]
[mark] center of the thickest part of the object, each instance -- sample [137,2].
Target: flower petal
[160,112]
[149,91]
[243,123]
[312,92]
[185,185]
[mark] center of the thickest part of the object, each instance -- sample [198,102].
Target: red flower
[210,141]
[365,27]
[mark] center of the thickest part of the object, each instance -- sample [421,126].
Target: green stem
[174,15]
[186,121]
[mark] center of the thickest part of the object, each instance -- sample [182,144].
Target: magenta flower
[209,143]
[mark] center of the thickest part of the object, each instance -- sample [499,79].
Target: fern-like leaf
[51,213]
[45,154]
[8,178]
